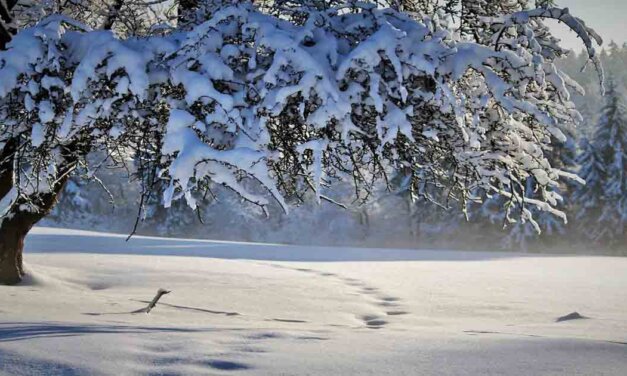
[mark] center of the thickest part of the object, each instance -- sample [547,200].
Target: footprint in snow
[363,290]
[396,313]
[289,321]
[225,365]
[373,321]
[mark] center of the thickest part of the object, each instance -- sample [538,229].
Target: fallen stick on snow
[154,301]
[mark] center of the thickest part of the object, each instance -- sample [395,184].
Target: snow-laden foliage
[271,107]
[391,219]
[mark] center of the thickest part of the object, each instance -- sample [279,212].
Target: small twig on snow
[154,301]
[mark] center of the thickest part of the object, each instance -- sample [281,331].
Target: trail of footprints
[391,305]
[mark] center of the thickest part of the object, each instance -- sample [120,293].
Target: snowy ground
[283,310]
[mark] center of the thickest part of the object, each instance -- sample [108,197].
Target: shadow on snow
[46,240]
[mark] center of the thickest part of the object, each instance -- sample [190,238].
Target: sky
[607,17]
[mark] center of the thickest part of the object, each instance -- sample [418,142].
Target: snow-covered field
[241,308]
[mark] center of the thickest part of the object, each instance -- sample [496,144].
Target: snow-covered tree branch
[271,105]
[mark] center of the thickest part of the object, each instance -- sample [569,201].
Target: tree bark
[13,231]
[12,234]
[16,226]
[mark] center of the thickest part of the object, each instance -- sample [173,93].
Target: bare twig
[154,301]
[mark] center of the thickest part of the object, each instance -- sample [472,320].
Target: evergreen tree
[602,203]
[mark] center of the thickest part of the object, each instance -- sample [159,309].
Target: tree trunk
[12,234]
[14,229]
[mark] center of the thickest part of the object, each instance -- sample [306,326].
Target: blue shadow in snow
[13,363]
[12,331]
[77,242]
